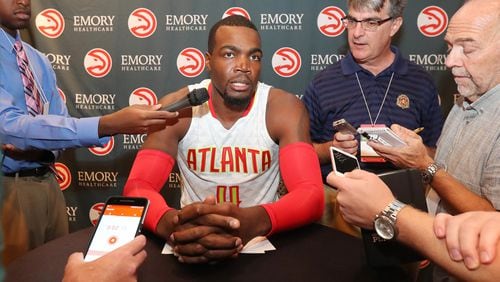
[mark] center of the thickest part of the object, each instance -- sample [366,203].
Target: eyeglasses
[368,24]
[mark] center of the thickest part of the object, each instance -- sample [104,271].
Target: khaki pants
[33,213]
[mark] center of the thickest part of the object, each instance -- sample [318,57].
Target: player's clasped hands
[205,232]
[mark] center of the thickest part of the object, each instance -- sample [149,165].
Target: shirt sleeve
[49,132]
[491,176]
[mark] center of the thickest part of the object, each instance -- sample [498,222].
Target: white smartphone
[120,222]
[342,162]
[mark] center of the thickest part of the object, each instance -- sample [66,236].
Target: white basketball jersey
[238,165]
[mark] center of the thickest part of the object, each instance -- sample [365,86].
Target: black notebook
[407,186]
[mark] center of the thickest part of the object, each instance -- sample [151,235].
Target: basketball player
[234,147]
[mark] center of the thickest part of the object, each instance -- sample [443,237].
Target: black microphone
[194,98]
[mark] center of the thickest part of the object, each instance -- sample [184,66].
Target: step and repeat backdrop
[111,54]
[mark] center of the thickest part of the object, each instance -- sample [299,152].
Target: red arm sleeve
[304,203]
[147,176]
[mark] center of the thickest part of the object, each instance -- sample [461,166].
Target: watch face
[384,227]
[426,177]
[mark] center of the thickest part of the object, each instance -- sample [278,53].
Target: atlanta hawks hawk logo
[50,23]
[142,23]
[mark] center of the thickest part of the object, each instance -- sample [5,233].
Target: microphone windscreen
[198,96]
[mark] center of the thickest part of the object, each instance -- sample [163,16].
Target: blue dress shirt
[54,130]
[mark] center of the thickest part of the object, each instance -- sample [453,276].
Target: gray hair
[395,9]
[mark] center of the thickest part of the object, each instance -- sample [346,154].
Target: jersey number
[228,194]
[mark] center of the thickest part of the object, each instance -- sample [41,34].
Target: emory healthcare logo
[286,62]
[329,21]
[142,22]
[63,175]
[190,62]
[432,21]
[95,212]
[50,23]
[133,141]
[142,96]
[59,61]
[71,212]
[97,62]
[236,11]
[104,150]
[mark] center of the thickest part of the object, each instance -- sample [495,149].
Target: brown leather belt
[37,171]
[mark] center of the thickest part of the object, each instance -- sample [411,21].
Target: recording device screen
[118,225]
[343,162]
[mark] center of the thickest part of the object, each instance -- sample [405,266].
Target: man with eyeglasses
[373,85]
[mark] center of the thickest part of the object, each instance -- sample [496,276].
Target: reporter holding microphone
[35,127]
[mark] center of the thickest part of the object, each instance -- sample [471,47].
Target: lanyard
[373,122]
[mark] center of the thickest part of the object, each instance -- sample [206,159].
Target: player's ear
[207,62]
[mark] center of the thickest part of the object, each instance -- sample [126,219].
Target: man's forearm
[254,222]
[322,150]
[415,230]
[457,195]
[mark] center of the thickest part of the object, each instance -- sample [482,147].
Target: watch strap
[429,172]
[386,220]
[392,209]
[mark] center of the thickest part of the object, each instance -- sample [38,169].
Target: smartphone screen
[343,162]
[120,221]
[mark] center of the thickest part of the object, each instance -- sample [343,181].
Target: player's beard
[236,101]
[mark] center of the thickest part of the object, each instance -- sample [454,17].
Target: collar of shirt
[399,66]
[7,41]
[489,101]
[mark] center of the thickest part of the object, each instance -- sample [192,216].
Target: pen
[368,136]
[418,130]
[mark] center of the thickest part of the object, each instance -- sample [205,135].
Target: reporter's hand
[414,155]
[472,236]
[345,142]
[361,196]
[119,265]
[135,119]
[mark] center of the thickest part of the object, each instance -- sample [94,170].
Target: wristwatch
[385,222]
[429,173]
